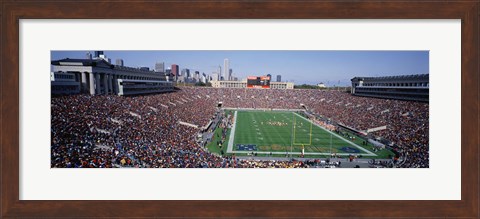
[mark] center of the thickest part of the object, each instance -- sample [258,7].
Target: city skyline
[334,68]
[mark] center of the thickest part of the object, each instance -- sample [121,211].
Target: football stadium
[111,116]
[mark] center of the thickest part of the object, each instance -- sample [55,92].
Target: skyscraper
[119,62]
[186,72]
[230,75]
[220,73]
[175,70]
[214,76]
[226,68]
[197,75]
[160,67]
[279,78]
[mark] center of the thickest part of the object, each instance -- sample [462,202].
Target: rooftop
[417,76]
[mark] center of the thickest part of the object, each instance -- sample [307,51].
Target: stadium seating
[144,131]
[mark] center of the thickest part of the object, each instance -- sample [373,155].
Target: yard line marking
[348,141]
[232,136]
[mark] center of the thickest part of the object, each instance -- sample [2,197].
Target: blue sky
[310,67]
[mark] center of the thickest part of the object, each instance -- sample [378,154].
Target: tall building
[197,75]
[279,78]
[226,68]
[214,76]
[119,62]
[175,70]
[230,75]
[160,67]
[186,72]
[220,73]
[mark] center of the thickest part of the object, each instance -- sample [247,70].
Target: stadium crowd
[144,131]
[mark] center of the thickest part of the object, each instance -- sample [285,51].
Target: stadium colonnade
[97,76]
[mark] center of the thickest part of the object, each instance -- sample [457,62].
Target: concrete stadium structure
[403,87]
[243,84]
[64,83]
[97,76]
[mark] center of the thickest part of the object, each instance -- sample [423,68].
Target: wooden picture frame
[12,11]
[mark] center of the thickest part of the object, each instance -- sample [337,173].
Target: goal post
[294,134]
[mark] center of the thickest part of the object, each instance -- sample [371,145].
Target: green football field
[271,132]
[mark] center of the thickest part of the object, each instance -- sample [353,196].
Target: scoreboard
[258,82]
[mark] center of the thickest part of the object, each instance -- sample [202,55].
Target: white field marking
[349,142]
[232,134]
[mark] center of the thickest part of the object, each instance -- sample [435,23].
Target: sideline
[369,153]
[232,134]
